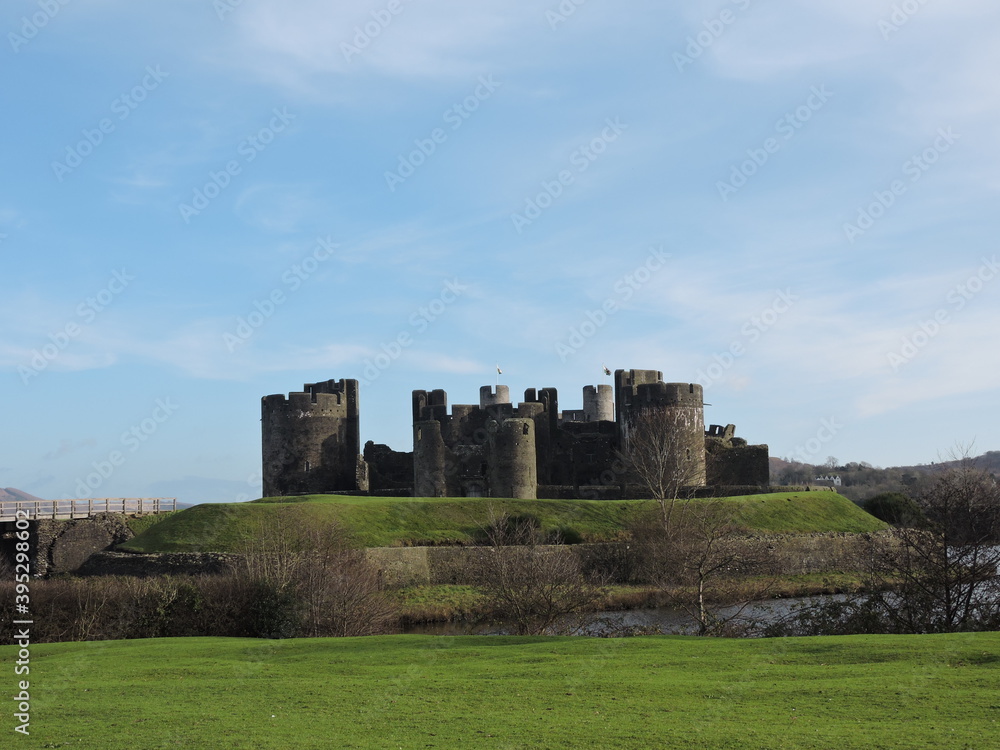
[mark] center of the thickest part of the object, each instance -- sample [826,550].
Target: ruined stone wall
[159,564]
[735,463]
[791,554]
[801,554]
[64,546]
[388,469]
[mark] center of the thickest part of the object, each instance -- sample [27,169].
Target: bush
[296,578]
[894,508]
[564,535]
[838,616]
[509,528]
[531,588]
[273,611]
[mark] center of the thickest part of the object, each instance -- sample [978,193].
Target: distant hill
[862,480]
[9,494]
[989,461]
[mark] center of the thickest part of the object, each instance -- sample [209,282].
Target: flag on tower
[499,371]
[606,370]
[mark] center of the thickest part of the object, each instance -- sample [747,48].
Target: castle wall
[626,382]
[311,441]
[388,470]
[546,429]
[490,397]
[681,406]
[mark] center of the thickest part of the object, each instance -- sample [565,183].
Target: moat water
[666,620]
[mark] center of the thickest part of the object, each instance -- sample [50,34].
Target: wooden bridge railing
[69,509]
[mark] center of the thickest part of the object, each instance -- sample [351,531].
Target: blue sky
[207,202]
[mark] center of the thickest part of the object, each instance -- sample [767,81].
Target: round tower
[310,441]
[673,414]
[429,477]
[598,403]
[511,459]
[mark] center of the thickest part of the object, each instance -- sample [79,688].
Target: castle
[311,443]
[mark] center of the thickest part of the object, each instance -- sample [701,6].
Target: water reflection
[666,620]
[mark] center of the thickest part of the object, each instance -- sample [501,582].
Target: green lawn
[940,691]
[377,522]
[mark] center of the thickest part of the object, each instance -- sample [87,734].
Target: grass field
[383,522]
[940,691]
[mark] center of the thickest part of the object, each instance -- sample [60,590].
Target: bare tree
[531,587]
[273,548]
[307,563]
[940,575]
[704,564]
[657,449]
[340,589]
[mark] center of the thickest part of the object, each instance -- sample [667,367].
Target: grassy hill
[851,693]
[379,522]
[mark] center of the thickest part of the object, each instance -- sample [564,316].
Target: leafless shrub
[702,562]
[533,588]
[335,590]
[941,576]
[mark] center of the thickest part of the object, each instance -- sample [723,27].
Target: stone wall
[800,554]
[64,546]
[388,469]
[792,554]
[161,564]
[732,461]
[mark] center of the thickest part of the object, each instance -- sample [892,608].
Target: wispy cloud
[67,446]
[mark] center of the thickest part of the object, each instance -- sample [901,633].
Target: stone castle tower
[683,406]
[311,440]
[481,451]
